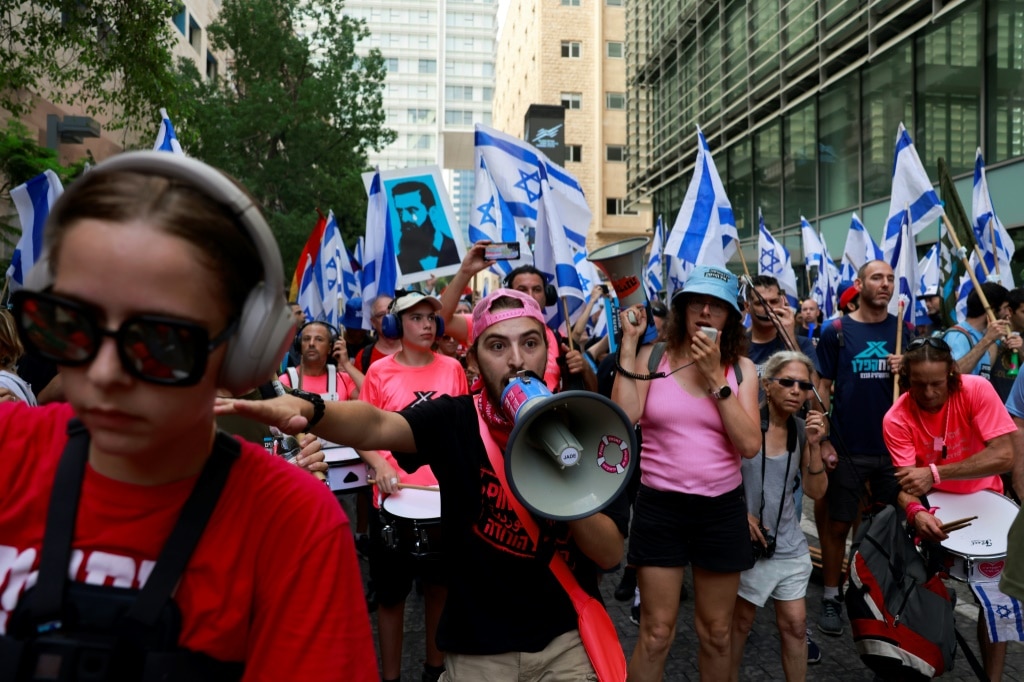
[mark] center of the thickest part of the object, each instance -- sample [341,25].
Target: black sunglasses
[155,349]
[789,383]
[934,342]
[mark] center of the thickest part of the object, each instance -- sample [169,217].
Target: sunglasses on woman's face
[789,383]
[153,348]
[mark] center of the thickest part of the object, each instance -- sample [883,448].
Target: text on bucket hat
[712,281]
[484,317]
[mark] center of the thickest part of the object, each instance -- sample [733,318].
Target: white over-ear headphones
[265,324]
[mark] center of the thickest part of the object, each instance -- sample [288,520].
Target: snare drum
[977,553]
[346,470]
[411,522]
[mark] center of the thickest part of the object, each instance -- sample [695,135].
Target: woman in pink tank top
[698,414]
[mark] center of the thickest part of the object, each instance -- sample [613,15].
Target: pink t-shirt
[392,386]
[975,415]
[685,446]
[318,384]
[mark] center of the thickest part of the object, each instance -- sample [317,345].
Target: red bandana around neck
[500,426]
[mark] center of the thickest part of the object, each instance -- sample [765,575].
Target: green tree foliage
[295,115]
[114,56]
[21,159]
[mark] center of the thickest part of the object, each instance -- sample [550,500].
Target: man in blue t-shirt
[764,337]
[856,356]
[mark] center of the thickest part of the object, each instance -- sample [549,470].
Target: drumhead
[986,536]
[414,504]
[340,454]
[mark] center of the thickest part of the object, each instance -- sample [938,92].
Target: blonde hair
[11,349]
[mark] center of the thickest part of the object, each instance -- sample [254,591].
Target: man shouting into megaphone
[508,610]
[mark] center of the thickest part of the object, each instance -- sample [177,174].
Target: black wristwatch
[318,405]
[721,393]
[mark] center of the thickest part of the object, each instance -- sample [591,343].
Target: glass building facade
[800,101]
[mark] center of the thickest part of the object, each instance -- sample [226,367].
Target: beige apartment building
[572,52]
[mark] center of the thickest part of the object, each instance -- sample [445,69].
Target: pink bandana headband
[484,317]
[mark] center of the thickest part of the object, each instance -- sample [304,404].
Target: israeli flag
[380,265]
[166,140]
[554,257]
[331,259]
[705,229]
[33,201]
[521,174]
[826,289]
[993,239]
[860,248]
[351,303]
[911,191]
[652,273]
[309,298]
[904,267]
[929,277]
[774,260]
[589,278]
[814,249]
[492,219]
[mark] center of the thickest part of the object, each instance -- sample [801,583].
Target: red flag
[307,255]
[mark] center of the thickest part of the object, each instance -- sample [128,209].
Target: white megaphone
[623,263]
[569,455]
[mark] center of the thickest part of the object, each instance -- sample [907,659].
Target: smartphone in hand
[501,251]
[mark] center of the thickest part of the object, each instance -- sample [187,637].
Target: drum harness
[67,631]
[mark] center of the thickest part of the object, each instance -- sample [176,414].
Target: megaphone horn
[623,263]
[569,455]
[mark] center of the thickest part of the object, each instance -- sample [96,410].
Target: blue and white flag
[492,219]
[331,259]
[166,140]
[380,265]
[904,267]
[309,298]
[520,173]
[589,278]
[929,277]
[351,293]
[911,191]
[653,274]
[993,239]
[555,258]
[860,248]
[705,229]
[774,260]
[814,249]
[33,201]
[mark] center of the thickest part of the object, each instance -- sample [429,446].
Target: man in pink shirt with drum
[950,435]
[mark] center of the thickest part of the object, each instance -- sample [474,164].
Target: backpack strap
[332,379]
[365,356]
[293,378]
[656,352]
[958,328]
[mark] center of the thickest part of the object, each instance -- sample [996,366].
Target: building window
[391,64]
[421,141]
[614,50]
[574,152]
[572,100]
[180,18]
[459,92]
[615,152]
[571,49]
[571,3]
[428,66]
[613,3]
[195,35]
[615,100]
[617,207]
[421,115]
[459,118]
[211,67]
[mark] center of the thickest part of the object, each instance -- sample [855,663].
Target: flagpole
[899,350]
[746,270]
[568,326]
[995,254]
[960,251]
[3,292]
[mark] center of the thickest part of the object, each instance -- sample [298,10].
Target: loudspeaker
[265,324]
[297,343]
[569,455]
[623,263]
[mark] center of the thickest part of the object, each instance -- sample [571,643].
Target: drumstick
[410,486]
[949,530]
[956,525]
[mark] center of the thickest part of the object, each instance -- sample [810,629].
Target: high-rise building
[571,53]
[440,81]
[800,101]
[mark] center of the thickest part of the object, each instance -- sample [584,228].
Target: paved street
[761,659]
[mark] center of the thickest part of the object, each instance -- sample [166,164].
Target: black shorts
[846,484]
[675,529]
[393,570]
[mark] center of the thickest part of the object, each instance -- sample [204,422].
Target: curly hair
[931,350]
[733,335]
